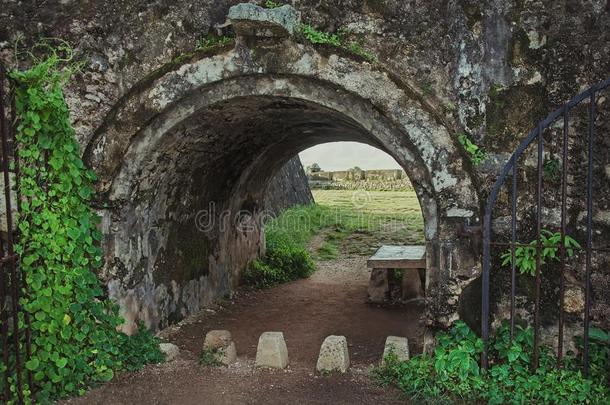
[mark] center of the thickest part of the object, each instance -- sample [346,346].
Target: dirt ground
[331,302]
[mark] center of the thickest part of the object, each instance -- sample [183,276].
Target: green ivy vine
[74,340]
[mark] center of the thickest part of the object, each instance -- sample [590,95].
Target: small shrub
[337,40]
[283,262]
[209,357]
[525,256]
[551,169]
[476,154]
[453,374]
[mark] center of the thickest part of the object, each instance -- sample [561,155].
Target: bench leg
[411,285]
[379,287]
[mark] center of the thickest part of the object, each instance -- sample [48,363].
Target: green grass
[350,223]
[353,222]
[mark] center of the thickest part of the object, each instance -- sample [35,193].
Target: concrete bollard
[397,345]
[334,355]
[221,346]
[271,350]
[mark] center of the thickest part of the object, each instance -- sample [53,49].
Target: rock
[379,287]
[216,339]
[574,300]
[220,343]
[411,285]
[254,21]
[170,350]
[334,355]
[397,345]
[271,350]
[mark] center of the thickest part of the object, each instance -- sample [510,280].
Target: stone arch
[244,112]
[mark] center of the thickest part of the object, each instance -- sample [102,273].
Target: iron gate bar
[589,233]
[538,249]
[513,271]
[9,238]
[562,247]
[13,148]
[493,195]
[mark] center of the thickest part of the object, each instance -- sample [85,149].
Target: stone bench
[410,259]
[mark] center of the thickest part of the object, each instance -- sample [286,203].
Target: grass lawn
[352,222]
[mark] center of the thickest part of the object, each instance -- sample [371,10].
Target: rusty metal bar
[513,272]
[562,248]
[4,316]
[9,248]
[591,130]
[14,152]
[538,249]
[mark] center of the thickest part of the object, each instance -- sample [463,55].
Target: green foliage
[453,374]
[337,40]
[73,326]
[551,169]
[211,41]
[525,256]
[272,4]
[328,251]
[283,262]
[209,357]
[476,154]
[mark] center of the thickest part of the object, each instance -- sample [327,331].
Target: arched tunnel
[184,162]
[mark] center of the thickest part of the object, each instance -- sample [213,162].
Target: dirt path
[332,301]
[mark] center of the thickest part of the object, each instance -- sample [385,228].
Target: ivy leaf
[32,364]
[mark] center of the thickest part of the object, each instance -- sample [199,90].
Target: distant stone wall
[288,188]
[381,180]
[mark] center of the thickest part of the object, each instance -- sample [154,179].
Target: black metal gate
[14,330]
[552,134]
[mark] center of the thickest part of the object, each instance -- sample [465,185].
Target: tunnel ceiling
[217,145]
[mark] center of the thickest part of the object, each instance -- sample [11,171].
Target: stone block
[254,21]
[217,339]
[219,342]
[379,287]
[397,345]
[272,351]
[170,351]
[334,355]
[411,285]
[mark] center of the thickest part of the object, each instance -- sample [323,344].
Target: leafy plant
[525,256]
[452,373]
[476,154]
[209,357]
[272,4]
[551,169]
[283,262]
[211,41]
[74,337]
[337,40]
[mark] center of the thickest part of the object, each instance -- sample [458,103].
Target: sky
[335,156]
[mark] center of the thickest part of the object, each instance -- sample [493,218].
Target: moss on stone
[473,13]
[185,258]
[512,113]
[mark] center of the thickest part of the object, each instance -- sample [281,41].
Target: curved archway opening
[177,182]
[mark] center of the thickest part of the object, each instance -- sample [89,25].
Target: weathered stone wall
[491,69]
[289,187]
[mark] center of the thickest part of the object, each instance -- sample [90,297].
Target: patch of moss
[374,6]
[512,113]
[520,52]
[185,256]
[472,11]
